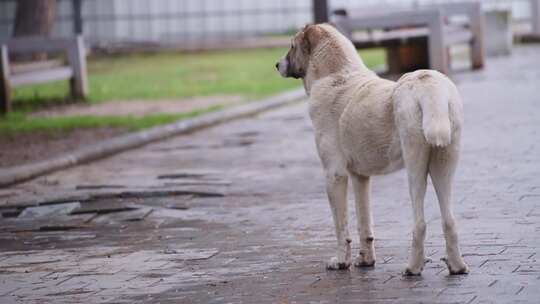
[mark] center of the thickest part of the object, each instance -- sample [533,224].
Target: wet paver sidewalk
[238,214]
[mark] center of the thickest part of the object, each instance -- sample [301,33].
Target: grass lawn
[248,73]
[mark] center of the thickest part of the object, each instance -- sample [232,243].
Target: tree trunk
[34,18]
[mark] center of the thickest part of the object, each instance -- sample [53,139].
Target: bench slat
[38,44]
[36,77]
[20,68]
[405,36]
[391,20]
[455,37]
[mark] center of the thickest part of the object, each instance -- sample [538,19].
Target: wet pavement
[238,214]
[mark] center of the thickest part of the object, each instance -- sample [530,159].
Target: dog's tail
[436,118]
[428,105]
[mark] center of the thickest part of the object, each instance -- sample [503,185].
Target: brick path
[238,214]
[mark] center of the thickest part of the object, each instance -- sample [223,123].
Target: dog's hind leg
[416,158]
[442,165]
[336,187]
[361,185]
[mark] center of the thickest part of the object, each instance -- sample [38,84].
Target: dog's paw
[456,267]
[416,265]
[409,272]
[335,264]
[364,260]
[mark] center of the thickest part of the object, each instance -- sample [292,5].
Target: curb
[122,143]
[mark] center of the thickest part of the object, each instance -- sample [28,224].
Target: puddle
[48,210]
[103,207]
[248,134]
[98,187]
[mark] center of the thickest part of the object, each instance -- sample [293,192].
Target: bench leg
[5,100]
[75,89]
[535,17]
[393,60]
[477,44]
[77,59]
[5,90]
[438,59]
[407,58]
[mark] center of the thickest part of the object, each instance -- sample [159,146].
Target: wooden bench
[528,29]
[16,75]
[535,18]
[417,38]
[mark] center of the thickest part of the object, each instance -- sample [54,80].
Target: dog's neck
[328,58]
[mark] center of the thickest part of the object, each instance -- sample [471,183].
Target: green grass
[17,123]
[248,73]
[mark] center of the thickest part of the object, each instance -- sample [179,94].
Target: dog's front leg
[336,188]
[366,256]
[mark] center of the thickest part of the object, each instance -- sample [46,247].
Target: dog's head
[295,63]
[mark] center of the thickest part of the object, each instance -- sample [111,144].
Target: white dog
[365,126]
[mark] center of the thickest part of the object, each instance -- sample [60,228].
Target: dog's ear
[310,37]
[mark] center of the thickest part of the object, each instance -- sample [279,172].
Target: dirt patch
[36,146]
[138,108]
[29,147]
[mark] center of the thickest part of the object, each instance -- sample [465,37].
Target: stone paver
[238,214]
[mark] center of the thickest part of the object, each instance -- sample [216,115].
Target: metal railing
[170,21]
[196,22]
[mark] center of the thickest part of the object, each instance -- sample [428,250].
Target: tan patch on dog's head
[302,46]
[310,36]
[319,42]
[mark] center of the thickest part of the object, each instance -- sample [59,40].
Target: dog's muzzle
[283,66]
[286,70]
